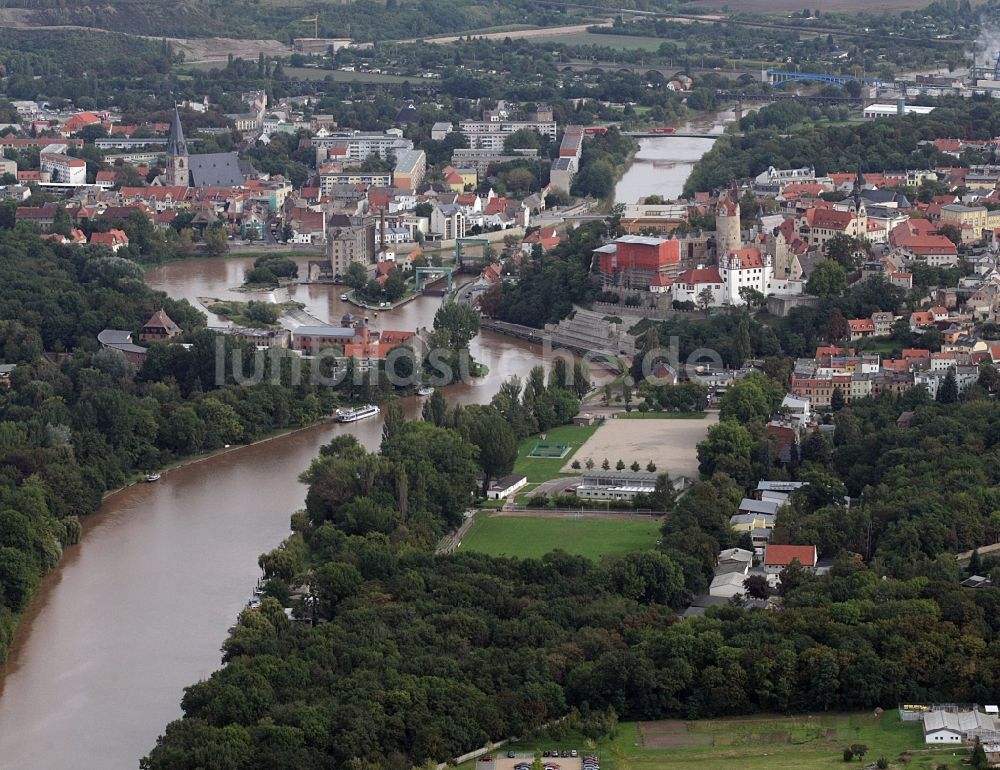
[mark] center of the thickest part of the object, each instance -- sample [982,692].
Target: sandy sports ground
[670,444]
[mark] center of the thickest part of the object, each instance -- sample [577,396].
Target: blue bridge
[777,78]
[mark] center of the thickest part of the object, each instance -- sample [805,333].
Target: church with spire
[182,169]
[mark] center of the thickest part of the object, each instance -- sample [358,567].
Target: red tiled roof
[748,257]
[783,555]
[830,219]
[698,275]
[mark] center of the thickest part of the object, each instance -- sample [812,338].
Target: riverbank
[140,478]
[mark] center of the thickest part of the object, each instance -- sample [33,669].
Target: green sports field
[533,538]
[539,469]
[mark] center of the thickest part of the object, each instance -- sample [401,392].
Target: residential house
[727,585]
[546,237]
[777,557]
[159,327]
[113,239]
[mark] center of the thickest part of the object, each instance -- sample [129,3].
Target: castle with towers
[766,258]
[741,267]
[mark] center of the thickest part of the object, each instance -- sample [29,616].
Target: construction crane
[315,23]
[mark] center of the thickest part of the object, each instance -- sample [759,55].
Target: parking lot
[500,761]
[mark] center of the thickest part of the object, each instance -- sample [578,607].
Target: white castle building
[739,266]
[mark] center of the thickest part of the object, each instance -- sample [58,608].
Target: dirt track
[515,34]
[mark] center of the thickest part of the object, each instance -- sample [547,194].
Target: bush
[848,755]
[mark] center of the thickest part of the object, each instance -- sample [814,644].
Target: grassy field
[532,538]
[661,416]
[313,73]
[539,469]
[762,743]
[623,42]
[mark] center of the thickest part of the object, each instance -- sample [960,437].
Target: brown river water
[140,608]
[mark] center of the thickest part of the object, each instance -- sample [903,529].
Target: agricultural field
[783,7]
[760,743]
[624,42]
[526,537]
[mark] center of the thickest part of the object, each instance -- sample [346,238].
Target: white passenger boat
[358,413]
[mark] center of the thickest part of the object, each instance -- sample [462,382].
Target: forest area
[404,657]
[787,134]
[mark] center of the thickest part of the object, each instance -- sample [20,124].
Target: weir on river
[140,608]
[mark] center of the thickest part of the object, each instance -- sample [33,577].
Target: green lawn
[761,743]
[636,415]
[883,345]
[533,538]
[539,469]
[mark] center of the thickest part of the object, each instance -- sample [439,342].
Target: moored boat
[357,413]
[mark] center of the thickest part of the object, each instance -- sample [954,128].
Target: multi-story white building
[330,177]
[448,221]
[358,145]
[745,268]
[490,134]
[738,269]
[59,168]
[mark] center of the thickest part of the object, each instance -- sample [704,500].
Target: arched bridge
[779,77]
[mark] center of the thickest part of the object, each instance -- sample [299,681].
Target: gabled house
[113,239]
[159,327]
[777,557]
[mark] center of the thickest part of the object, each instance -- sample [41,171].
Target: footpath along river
[140,608]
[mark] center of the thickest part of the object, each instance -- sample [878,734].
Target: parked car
[510,755]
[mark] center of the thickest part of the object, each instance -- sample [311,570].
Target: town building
[159,327]
[332,175]
[411,165]
[777,557]
[501,489]
[355,146]
[615,485]
[121,340]
[348,242]
[218,169]
[59,168]
[114,239]
[634,261]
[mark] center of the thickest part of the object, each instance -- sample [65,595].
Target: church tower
[857,205]
[727,224]
[177,173]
